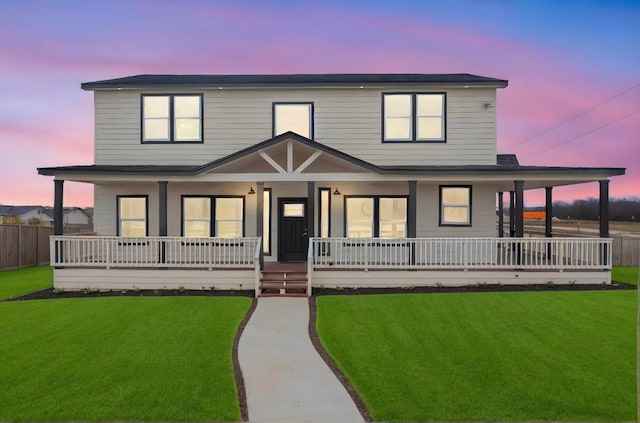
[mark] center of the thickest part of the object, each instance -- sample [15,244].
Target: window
[295,117]
[172,118]
[455,205]
[384,217]
[411,117]
[132,216]
[226,213]
[266,221]
[325,211]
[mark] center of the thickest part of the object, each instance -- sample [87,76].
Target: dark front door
[293,240]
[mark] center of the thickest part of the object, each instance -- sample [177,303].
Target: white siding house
[371,180]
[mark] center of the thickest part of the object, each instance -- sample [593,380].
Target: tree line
[620,209]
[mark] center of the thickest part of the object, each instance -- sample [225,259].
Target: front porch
[235,263]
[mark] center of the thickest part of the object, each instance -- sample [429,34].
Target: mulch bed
[51,293]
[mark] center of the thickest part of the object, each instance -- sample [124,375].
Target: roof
[505,164]
[294,80]
[21,210]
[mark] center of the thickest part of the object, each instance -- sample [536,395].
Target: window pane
[455,214]
[156,106]
[430,104]
[197,228]
[455,196]
[359,217]
[186,106]
[133,228]
[293,210]
[430,128]
[324,213]
[156,129]
[197,208]
[392,229]
[133,208]
[229,209]
[188,130]
[229,229]
[293,117]
[397,105]
[397,128]
[393,208]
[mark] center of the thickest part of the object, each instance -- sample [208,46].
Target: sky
[573,69]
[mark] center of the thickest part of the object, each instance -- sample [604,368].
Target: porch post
[604,208]
[162,218]
[58,228]
[512,213]
[311,206]
[162,208]
[604,217]
[519,222]
[412,209]
[500,215]
[548,212]
[260,218]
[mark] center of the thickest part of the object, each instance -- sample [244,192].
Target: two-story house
[205,181]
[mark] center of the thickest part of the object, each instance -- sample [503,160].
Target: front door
[293,240]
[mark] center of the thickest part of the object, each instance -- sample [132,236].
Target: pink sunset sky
[573,69]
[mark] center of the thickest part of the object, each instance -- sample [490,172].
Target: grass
[536,356]
[24,281]
[625,274]
[119,359]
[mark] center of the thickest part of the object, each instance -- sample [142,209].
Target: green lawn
[625,274]
[521,356]
[126,359]
[24,281]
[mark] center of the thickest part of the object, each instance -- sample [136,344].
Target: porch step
[283,281]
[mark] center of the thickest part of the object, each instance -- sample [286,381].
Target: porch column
[412,209]
[162,219]
[162,208]
[512,213]
[519,222]
[311,206]
[604,208]
[500,215]
[548,212]
[260,217]
[58,228]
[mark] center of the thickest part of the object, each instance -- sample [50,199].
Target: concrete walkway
[285,378]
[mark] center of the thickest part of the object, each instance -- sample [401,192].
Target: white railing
[153,251]
[460,253]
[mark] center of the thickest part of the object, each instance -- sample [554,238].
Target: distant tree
[35,221]
[620,209]
[12,220]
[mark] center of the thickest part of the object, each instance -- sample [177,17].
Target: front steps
[283,280]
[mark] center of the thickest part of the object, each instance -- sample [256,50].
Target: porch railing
[165,252]
[460,253]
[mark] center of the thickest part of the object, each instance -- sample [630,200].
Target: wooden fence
[626,251]
[24,246]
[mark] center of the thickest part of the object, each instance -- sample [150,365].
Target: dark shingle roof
[293,80]
[508,160]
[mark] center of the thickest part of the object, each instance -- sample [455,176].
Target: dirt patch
[51,293]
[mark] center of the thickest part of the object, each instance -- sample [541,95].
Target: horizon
[572,100]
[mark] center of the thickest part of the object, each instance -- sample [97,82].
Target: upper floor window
[132,216]
[455,206]
[295,117]
[172,118]
[414,117]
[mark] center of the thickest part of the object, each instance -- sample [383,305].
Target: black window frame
[440,207]
[414,120]
[172,139]
[290,103]
[146,212]
[212,212]
[376,212]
